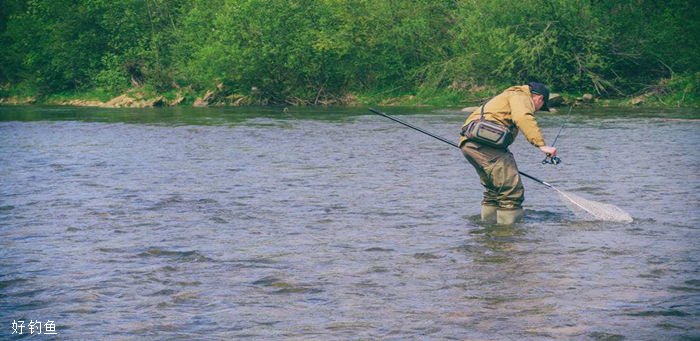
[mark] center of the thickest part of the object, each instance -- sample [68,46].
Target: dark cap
[541,89]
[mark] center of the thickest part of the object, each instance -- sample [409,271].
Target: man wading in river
[486,135]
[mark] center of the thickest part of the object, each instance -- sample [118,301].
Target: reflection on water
[332,224]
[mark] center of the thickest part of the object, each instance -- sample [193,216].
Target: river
[336,224]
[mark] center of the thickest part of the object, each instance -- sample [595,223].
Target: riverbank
[666,94]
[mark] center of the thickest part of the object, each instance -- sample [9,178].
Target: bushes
[314,51]
[678,90]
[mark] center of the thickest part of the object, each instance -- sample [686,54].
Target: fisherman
[512,110]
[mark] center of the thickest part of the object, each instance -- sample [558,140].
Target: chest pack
[487,132]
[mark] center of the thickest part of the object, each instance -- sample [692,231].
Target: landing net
[593,210]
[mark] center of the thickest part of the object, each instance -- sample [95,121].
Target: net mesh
[593,210]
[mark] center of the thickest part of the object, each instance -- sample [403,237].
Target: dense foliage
[309,51]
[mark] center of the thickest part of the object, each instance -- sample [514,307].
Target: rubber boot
[488,214]
[509,217]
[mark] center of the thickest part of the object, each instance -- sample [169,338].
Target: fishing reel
[551,160]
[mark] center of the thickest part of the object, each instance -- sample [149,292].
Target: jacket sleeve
[521,111]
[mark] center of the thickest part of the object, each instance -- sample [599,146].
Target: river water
[335,224]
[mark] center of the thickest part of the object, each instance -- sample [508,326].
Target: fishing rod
[554,160]
[446,141]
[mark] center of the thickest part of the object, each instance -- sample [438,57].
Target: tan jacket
[512,106]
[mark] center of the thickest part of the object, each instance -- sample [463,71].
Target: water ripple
[336,225]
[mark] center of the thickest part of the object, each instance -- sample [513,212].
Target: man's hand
[549,151]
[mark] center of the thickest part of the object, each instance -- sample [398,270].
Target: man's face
[538,100]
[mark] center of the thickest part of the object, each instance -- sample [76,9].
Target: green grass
[87,95]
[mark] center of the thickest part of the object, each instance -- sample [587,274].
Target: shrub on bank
[317,52]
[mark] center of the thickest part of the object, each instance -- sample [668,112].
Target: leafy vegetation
[320,51]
